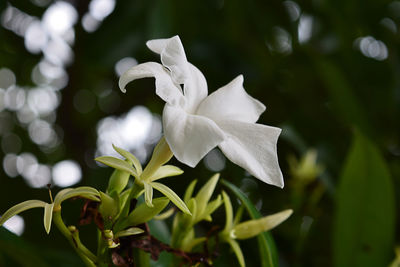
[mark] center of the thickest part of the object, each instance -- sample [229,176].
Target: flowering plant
[194,123]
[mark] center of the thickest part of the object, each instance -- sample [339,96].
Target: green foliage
[365,217]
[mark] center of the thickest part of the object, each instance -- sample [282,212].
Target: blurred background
[328,72]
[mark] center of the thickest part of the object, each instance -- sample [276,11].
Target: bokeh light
[15,224]
[66,173]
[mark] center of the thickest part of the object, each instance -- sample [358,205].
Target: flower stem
[73,237]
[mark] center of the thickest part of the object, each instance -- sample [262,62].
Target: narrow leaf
[364,226]
[129,231]
[131,158]
[118,164]
[268,252]
[172,196]
[26,205]
[48,215]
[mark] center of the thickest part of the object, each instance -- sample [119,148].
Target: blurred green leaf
[268,252]
[20,251]
[342,96]
[364,224]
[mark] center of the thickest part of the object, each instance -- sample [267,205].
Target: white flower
[195,123]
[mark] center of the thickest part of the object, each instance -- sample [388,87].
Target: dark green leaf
[364,224]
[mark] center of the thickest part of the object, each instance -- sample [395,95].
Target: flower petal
[253,147]
[195,89]
[190,137]
[231,102]
[165,88]
[172,56]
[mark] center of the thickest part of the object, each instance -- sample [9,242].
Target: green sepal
[189,191]
[26,205]
[131,158]
[252,228]
[118,164]
[48,215]
[165,190]
[165,171]
[118,181]
[83,191]
[238,252]
[205,193]
[148,194]
[109,208]
[144,213]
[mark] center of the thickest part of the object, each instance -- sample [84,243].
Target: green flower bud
[118,181]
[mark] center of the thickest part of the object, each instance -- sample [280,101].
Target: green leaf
[129,231]
[131,158]
[344,101]
[144,213]
[26,205]
[365,220]
[118,164]
[249,229]
[19,250]
[48,215]
[83,191]
[165,190]
[268,252]
[165,171]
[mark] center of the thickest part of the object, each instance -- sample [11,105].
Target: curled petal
[190,137]
[253,147]
[172,56]
[231,102]
[165,88]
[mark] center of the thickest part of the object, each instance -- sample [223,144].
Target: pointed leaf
[268,252]
[129,231]
[118,164]
[26,205]
[172,196]
[48,216]
[213,205]
[165,171]
[131,158]
[252,228]
[364,226]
